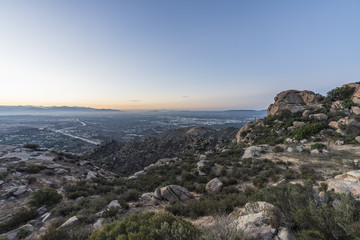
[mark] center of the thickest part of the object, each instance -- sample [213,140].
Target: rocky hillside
[303,114]
[128,158]
[292,175]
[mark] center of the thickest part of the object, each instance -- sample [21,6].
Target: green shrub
[222,229]
[31,146]
[318,146]
[308,130]
[148,226]
[46,196]
[19,218]
[342,93]
[52,233]
[131,195]
[23,233]
[311,218]
[278,149]
[208,205]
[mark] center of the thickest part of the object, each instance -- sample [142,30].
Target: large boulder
[293,101]
[337,106]
[253,151]
[172,193]
[319,116]
[355,110]
[241,134]
[334,125]
[214,186]
[254,222]
[346,183]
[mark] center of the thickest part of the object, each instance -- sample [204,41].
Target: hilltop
[291,175]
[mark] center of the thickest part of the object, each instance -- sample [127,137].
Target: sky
[161,54]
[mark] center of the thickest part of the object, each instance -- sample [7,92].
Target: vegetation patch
[148,226]
[46,196]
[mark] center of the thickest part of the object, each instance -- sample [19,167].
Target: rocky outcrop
[254,151]
[356,95]
[254,221]
[251,152]
[293,101]
[214,186]
[346,183]
[172,193]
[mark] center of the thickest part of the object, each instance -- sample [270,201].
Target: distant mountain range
[18,110]
[39,110]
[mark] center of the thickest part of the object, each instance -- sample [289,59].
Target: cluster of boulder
[309,105]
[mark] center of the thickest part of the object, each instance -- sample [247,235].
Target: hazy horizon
[183,55]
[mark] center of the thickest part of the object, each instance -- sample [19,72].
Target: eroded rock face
[172,193]
[293,101]
[214,186]
[254,221]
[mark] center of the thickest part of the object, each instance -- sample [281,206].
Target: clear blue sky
[161,54]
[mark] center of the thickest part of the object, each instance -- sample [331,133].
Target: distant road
[61,131]
[82,123]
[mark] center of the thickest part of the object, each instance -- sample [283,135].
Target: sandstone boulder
[319,116]
[334,125]
[355,110]
[214,186]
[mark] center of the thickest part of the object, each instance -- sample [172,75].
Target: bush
[308,130]
[278,149]
[23,233]
[19,218]
[46,196]
[31,146]
[311,218]
[222,229]
[318,146]
[148,226]
[208,205]
[52,233]
[342,93]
